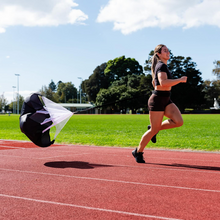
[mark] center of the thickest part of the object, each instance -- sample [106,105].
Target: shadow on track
[74,164]
[188,166]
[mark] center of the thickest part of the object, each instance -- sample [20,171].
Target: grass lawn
[199,132]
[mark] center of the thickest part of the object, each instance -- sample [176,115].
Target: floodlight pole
[17,93]
[80,88]
[14,106]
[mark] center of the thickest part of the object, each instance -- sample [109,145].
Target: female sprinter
[159,103]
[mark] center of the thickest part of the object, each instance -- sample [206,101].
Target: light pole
[17,93]
[14,106]
[80,88]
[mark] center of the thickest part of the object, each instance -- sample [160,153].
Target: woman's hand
[183,79]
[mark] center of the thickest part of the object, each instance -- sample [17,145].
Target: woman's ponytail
[155,59]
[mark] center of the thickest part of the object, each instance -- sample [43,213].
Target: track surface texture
[89,182]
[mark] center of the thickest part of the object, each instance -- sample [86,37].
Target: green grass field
[199,132]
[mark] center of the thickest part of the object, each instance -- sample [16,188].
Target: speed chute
[38,115]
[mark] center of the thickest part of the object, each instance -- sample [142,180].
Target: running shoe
[153,139]
[138,156]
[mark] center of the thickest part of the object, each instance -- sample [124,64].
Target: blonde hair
[155,58]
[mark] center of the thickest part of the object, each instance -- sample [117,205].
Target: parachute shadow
[74,164]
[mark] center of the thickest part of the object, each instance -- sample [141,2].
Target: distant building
[73,107]
[216,105]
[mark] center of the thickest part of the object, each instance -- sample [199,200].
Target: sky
[65,40]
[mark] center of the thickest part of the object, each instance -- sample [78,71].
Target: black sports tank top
[161,67]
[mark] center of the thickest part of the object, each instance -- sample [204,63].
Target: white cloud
[39,13]
[2,30]
[7,57]
[131,15]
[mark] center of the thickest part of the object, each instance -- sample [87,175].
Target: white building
[73,107]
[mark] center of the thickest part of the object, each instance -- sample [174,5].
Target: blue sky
[65,39]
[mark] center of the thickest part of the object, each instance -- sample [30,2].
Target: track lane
[103,179]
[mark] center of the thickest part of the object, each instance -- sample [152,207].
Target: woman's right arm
[164,82]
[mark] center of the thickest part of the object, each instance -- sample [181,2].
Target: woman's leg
[174,117]
[156,118]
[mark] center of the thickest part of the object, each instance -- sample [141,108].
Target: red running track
[88,182]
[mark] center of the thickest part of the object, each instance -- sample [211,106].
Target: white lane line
[187,159]
[87,207]
[115,181]
[42,158]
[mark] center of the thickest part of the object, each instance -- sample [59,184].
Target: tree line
[122,83]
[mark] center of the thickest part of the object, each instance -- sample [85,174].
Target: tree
[147,67]
[96,81]
[21,101]
[3,102]
[216,86]
[66,92]
[107,73]
[128,86]
[130,92]
[52,86]
[108,98]
[187,94]
[146,84]
[122,66]
[211,90]
[48,93]
[14,103]
[216,70]
[130,99]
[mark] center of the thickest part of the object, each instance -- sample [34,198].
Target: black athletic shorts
[159,100]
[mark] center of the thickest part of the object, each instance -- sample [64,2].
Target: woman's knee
[155,129]
[179,122]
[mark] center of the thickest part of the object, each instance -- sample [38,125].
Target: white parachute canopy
[58,115]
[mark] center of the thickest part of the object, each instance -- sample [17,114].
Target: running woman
[159,103]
